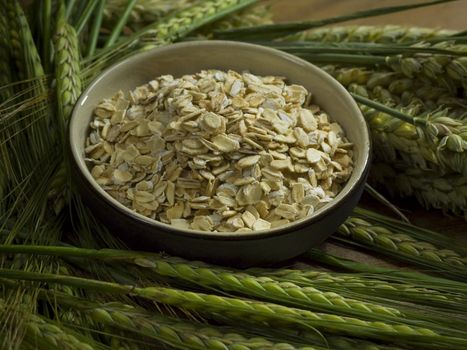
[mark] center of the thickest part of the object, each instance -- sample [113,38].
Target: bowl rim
[346,191]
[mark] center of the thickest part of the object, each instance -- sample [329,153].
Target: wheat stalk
[5,94]
[432,190]
[428,137]
[438,144]
[434,127]
[134,319]
[251,16]
[189,19]
[174,332]
[53,336]
[388,274]
[366,33]
[67,316]
[47,334]
[45,15]
[208,276]
[265,287]
[433,111]
[334,342]
[95,28]
[120,23]
[182,335]
[314,337]
[24,51]
[424,163]
[30,160]
[68,89]
[84,16]
[28,129]
[28,63]
[144,12]
[67,67]
[397,88]
[271,289]
[414,163]
[211,277]
[366,288]
[444,70]
[403,246]
[291,292]
[420,233]
[5,71]
[172,28]
[250,311]
[122,341]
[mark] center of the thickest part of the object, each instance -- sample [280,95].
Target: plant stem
[69,8]
[383,200]
[70,251]
[383,108]
[120,24]
[46,20]
[356,48]
[96,26]
[342,58]
[85,16]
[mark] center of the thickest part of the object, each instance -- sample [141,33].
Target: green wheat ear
[377,34]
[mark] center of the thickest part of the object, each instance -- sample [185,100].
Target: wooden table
[452,15]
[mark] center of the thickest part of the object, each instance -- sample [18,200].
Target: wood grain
[452,15]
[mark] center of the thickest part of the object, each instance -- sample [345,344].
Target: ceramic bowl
[240,249]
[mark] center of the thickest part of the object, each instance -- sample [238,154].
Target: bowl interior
[192,57]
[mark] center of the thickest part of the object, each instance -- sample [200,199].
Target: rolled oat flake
[218,151]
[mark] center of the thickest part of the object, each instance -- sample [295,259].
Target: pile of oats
[218,151]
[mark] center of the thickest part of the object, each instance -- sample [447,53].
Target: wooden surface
[451,15]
